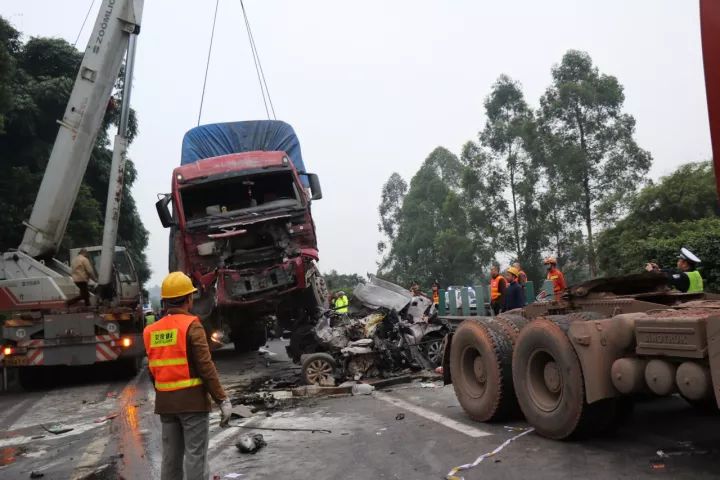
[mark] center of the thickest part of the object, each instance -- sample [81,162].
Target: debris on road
[387,332]
[286,429]
[241,411]
[35,474]
[57,429]
[400,416]
[251,443]
[452,474]
[362,389]
[106,417]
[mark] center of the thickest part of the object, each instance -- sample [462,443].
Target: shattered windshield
[264,191]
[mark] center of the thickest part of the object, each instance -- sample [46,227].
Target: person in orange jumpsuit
[555,275]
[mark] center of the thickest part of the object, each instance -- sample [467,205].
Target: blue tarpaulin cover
[218,139]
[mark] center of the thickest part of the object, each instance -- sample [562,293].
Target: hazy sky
[372,86]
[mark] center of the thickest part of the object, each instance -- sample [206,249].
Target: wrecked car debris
[251,443]
[386,332]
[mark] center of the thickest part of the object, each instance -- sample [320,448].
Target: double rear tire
[549,384]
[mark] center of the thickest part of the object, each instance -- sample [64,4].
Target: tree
[340,281]
[511,136]
[590,140]
[39,79]
[391,200]
[681,210]
[432,240]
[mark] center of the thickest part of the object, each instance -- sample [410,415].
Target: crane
[32,280]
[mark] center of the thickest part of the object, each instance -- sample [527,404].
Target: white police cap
[686,254]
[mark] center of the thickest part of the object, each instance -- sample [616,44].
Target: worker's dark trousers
[84,294]
[496,307]
[185,446]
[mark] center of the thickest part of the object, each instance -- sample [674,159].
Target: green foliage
[590,144]
[679,211]
[36,79]
[341,281]
[528,187]
[510,134]
[393,193]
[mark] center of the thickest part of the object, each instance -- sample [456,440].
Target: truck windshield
[263,191]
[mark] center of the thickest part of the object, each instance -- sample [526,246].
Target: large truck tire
[549,384]
[316,294]
[481,370]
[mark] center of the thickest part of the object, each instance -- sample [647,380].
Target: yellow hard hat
[175,285]
[514,271]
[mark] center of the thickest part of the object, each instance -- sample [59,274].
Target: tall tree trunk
[516,225]
[587,207]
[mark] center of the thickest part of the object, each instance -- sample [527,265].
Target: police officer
[185,378]
[341,302]
[686,279]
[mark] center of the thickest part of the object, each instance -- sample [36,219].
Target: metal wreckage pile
[386,332]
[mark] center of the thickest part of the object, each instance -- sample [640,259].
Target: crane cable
[83,23]
[264,90]
[207,65]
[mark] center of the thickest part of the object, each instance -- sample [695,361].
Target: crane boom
[118,19]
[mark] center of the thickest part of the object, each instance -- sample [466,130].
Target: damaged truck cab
[241,227]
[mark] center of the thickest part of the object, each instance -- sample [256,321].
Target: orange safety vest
[558,280]
[166,347]
[495,288]
[436,296]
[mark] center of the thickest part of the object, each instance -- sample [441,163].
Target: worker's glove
[225,413]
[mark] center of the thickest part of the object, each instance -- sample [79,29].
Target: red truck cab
[242,229]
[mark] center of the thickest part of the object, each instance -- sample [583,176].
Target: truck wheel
[318,369]
[317,293]
[550,387]
[481,371]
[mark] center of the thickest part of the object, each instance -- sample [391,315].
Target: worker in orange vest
[497,289]
[436,293]
[185,378]
[555,275]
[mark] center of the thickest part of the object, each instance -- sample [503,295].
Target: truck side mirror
[315,187]
[164,212]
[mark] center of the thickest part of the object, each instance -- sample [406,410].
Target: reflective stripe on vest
[495,288]
[168,386]
[696,282]
[166,347]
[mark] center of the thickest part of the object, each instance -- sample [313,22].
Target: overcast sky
[372,86]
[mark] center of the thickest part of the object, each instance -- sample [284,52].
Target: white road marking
[468,430]
[76,430]
[90,457]
[10,412]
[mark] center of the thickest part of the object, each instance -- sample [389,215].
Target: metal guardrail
[482,297]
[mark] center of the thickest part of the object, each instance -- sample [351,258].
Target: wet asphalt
[410,431]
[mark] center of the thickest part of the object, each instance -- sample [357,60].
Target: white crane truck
[40,328]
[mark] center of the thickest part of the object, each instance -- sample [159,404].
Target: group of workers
[507,291]
[186,380]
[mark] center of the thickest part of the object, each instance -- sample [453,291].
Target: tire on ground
[549,384]
[480,365]
[317,366]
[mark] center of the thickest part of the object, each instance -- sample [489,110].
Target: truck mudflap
[75,351]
